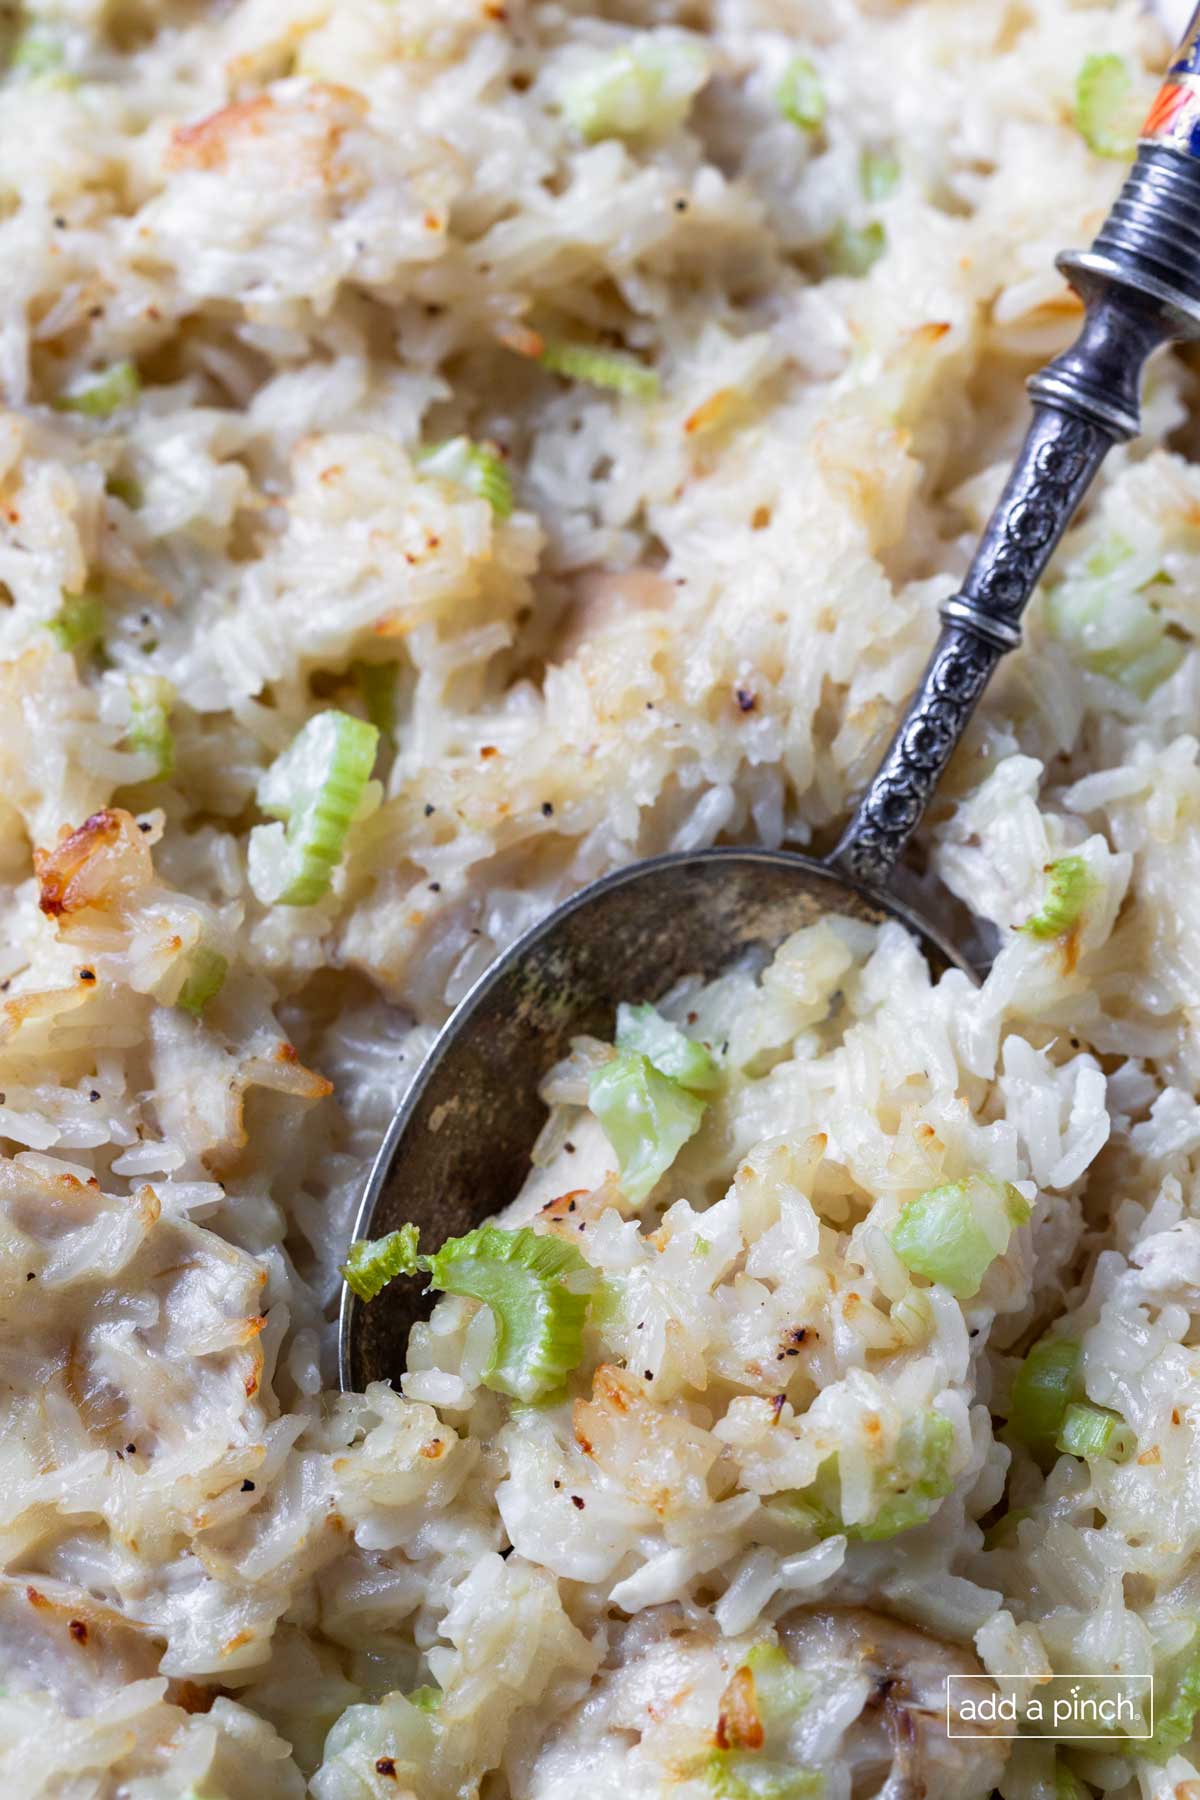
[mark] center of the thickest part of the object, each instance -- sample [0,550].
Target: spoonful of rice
[459,1149]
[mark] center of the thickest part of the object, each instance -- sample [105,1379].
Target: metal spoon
[458,1149]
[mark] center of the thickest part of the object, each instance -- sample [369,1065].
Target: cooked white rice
[326,233]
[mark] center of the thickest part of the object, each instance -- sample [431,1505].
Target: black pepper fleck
[435,887]
[429,810]
[547,809]
[577,1501]
[746,700]
[247,1487]
[569,1148]
[95,1094]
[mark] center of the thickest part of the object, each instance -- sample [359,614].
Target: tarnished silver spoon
[458,1149]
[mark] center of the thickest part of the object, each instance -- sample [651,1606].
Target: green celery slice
[601,368]
[150,701]
[855,249]
[1093,1433]
[372,1262]
[1069,884]
[647,1118]
[673,1053]
[800,95]
[879,174]
[205,979]
[1043,1389]
[1106,112]
[538,1289]
[641,89]
[952,1234]
[119,386]
[478,467]
[1174,1723]
[315,787]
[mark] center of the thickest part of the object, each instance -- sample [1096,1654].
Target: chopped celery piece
[671,1051]
[781,1689]
[800,95]
[919,1475]
[952,1234]
[79,622]
[1103,615]
[643,89]
[40,57]
[1069,883]
[878,173]
[647,1118]
[125,489]
[1108,557]
[117,387]
[1093,1433]
[376,683]
[205,979]
[35,53]
[1003,1534]
[1106,110]
[315,787]
[601,368]
[478,467]
[150,701]
[1067,1785]
[538,1289]
[372,1262]
[907,1492]
[808,1509]
[745,1775]
[1042,1390]
[855,249]
[1175,1721]
[425,1699]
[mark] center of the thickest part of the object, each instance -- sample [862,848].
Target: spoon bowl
[458,1149]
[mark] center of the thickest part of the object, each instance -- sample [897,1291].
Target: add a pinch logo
[1110,1708]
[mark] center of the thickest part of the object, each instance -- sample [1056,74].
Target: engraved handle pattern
[1141,283]
[1061,454]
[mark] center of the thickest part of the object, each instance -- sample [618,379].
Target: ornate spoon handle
[1140,282]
